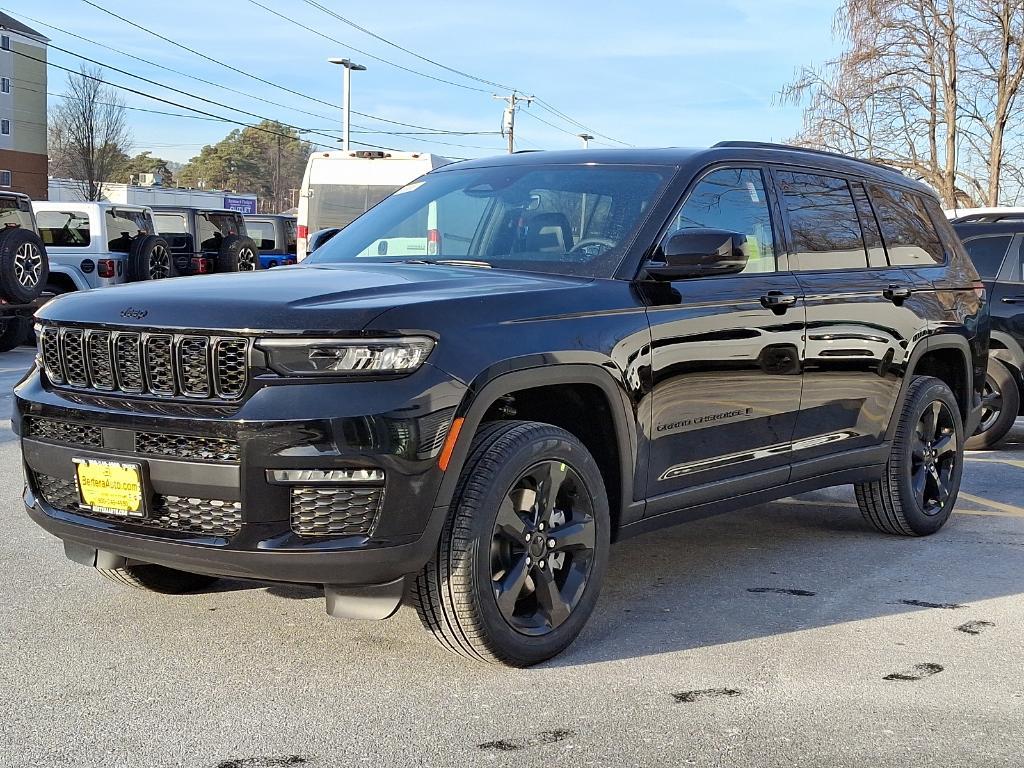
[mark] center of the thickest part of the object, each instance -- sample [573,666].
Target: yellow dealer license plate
[111,487]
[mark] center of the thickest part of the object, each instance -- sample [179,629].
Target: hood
[336,297]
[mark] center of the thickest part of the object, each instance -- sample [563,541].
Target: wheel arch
[486,397]
[948,358]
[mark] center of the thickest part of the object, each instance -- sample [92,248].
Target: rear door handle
[778,302]
[897,294]
[1013,300]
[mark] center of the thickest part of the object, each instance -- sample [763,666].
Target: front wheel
[1000,404]
[523,553]
[922,477]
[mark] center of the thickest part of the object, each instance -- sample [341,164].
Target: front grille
[158,364]
[217,449]
[65,432]
[175,513]
[223,450]
[335,510]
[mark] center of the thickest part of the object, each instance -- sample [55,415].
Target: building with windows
[23,166]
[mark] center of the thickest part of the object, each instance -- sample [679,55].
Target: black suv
[600,344]
[995,241]
[206,240]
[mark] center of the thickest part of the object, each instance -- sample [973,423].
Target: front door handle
[1013,300]
[897,294]
[778,302]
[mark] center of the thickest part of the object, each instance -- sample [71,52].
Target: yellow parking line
[1012,462]
[1008,509]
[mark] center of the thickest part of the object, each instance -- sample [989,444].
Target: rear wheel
[922,478]
[158,578]
[238,254]
[1000,404]
[522,555]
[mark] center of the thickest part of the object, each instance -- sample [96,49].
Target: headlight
[334,357]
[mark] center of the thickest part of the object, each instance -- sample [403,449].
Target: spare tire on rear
[149,259]
[238,253]
[24,268]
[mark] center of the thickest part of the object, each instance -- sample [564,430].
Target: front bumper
[213,507]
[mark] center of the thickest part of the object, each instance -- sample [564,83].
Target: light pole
[347,95]
[585,137]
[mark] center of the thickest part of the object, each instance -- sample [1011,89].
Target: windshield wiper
[448,262]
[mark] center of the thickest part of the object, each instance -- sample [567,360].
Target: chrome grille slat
[100,360]
[194,365]
[49,344]
[163,365]
[158,351]
[128,360]
[72,352]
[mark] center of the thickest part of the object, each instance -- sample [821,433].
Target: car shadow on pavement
[789,566]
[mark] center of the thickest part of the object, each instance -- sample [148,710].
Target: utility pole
[508,125]
[349,66]
[585,137]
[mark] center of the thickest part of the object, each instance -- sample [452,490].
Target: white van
[339,186]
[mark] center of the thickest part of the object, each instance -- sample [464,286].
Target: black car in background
[601,343]
[206,239]
[995,241]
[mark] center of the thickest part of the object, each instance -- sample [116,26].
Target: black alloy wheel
[1000,405]
[934,458]
[542,548]
[159,263]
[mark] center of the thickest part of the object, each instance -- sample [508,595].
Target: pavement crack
[262,762]
[782,591]
[687,697]
[918,672]
[537,739]
[974,627]
[926,604]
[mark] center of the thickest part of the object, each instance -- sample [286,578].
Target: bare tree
[88,132]
[927,86]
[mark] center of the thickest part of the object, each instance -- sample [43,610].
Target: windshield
[574,220]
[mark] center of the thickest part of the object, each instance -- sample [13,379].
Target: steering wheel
[583,244]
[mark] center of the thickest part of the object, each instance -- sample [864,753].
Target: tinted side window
[910,236]
[262,232]
[170,223]
[824,221]
[123,227]
[733,199]
[869,226]
[987,253]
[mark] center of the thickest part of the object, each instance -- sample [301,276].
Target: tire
[238,253]
[911,500]
[158,578]
[455,594]
[13,332]
[1000,406]
[149,259]
[24,268]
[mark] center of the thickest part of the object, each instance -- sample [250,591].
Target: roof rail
[795,148]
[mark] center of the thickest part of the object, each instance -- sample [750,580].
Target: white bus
[339,186]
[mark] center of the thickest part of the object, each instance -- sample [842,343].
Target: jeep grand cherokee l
[606,342]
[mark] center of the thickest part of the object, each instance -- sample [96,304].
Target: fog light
[325,475]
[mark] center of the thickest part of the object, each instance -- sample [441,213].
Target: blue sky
[651,74]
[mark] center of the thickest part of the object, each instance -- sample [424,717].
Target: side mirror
[320,237]
[698,252]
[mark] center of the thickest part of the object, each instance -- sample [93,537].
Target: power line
[169,69]
[248,74]
[371,33]
[384,40]
[365,53]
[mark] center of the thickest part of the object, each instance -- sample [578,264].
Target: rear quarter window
[64,229]
[910,236]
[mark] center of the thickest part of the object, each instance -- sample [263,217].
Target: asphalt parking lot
[785,634]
